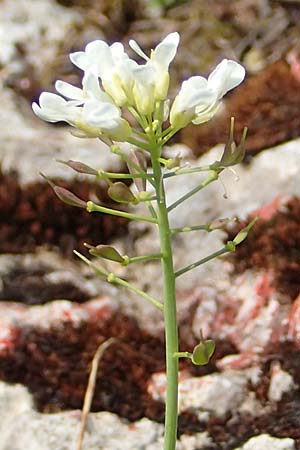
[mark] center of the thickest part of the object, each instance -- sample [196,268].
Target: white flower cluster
[112,81]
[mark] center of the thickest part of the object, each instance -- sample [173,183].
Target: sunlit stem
[112,278]
[202,261]
[144,258]
[92,207]
[193,228]
[212,177]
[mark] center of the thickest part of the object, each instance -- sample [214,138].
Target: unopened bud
[241,236]
[79,167]
[121,193]
[106,252]
[66,196]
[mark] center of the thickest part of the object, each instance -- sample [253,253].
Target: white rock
[266,442]
[280,383]
[216,393]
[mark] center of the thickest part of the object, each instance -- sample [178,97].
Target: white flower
[112,65]
[128,83]
[159,61]
[90,110]
[199,99]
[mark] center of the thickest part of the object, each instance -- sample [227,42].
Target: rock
[266,442]
[217,393]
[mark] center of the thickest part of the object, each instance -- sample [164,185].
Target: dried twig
[88,398]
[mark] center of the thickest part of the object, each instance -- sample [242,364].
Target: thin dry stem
[88,398]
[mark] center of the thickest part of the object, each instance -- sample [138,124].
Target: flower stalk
[111,83]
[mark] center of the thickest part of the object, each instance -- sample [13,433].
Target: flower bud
[105,252]
[66,196]
[121,193]
[241,236]
[79,167]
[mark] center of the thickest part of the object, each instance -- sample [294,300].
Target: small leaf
[203,352]
[105,252]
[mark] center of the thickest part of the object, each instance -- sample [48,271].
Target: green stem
[171,327]
[103,174]
[92,207]
[139,144]
[112,278]
[202,261]
[183,355]
[137,259]
[188,229]
[187,171]
[212,177]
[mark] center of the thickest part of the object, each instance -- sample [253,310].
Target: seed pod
[121,193]
[66,196]
[105,252]
[79,167]
[203,352]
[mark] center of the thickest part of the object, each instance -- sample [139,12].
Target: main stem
[171,328]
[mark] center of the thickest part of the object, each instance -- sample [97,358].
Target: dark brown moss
[33,216]
[274,244]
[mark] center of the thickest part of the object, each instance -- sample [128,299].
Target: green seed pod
[203,352]
[121,193]
[105,252]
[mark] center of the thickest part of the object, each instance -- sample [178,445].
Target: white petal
[79,60]
[69,91]
[165,52]
[226,76]
[52,101]
[92,88]
[97,114]
[117,52]
[194,92]
[137,49]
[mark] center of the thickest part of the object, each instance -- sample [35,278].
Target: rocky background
[54,312]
